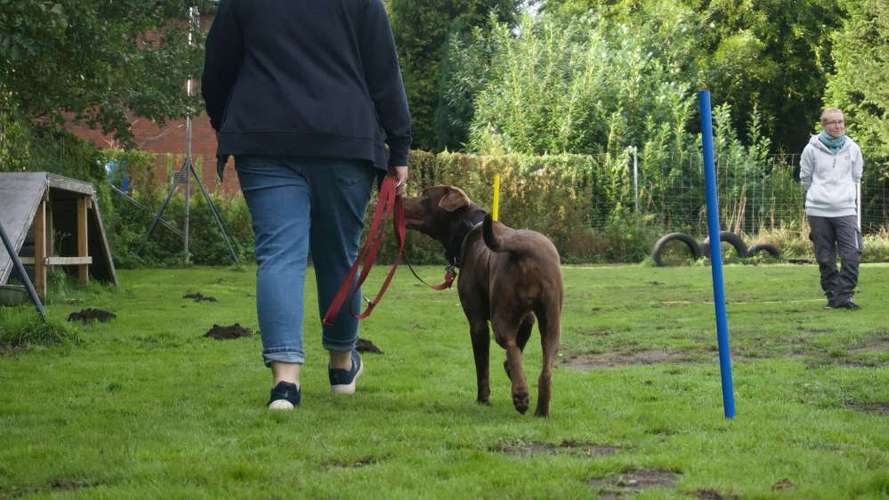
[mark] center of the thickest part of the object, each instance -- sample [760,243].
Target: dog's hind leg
[550,331]
[481,344]
[522,337]
[506,333]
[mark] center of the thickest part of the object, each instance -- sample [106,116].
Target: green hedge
[558,195]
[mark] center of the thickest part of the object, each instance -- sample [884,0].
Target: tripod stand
[187,171]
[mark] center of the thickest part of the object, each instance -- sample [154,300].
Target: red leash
[388,204]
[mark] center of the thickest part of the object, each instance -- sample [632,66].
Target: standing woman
[830,171]
[308,97]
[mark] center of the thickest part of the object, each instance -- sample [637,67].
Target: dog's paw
[541,412]
[483,396]
[521,401]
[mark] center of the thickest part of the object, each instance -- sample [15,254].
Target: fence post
[635,151]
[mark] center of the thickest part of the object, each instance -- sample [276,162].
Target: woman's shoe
[343,381]
[285,396]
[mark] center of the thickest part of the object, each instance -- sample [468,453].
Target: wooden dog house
[53,221]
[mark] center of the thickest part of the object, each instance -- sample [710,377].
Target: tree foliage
[860,85]
[421,30]
[768,55]
[96,60]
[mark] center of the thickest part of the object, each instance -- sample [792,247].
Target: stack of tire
[702,249]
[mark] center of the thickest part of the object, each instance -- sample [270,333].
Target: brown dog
[507,277]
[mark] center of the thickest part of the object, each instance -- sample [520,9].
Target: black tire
[661,244]
[729,237]
[772,250]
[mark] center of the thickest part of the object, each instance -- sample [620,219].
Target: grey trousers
[832,236]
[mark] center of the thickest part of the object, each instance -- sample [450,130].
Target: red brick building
[169,144]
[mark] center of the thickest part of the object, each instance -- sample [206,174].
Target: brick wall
[169,141]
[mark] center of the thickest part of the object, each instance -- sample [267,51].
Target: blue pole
[725,355]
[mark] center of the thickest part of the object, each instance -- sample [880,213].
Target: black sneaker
[852,306]
[343,381]
[284,396]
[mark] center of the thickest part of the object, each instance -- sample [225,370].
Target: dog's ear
[454,199]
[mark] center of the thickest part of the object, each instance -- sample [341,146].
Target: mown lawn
[146,407]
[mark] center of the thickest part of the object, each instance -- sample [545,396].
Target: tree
[95,60]
[859,85]
[421,29]
[770,55]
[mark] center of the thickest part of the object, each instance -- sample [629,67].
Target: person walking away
[308,97]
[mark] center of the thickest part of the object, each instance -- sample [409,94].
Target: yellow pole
[495,211]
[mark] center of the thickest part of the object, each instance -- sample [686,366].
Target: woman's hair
[829,111]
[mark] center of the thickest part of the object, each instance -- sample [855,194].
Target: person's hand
[400,174]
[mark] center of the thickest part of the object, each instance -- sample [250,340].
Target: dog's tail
[494,241]
[501,238]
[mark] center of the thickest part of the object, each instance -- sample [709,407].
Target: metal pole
[187,186]
[23,275]
[192,22]
[722,334]
[636,177]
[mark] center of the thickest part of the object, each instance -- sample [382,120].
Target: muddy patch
[59,485]
[589,449]
[570,446]
[90,315]
[816,330]
[633,482]
[228,332]
[784,484]
[713,495]
[353,464]
[876,408]
[199,297]
[590,361]
[597,333]
[878,342]
[66,484]
[365,345]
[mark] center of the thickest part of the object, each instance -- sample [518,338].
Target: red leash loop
[389,205]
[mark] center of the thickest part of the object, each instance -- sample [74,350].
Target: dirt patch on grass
[877,408]
[597,333]
[878,342]
[713,495]
[570,446]
[589,449]
[590,361]
[198,297]
[784,484]
[632,482]
[53,486]
[365,345]
[66,484]
[816,330]
[228,332]
[355,463]
[90,315]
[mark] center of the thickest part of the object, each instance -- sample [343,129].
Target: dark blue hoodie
[307,78]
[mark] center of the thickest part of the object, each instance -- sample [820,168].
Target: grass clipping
[21,328]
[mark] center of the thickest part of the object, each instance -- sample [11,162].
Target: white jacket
[830,180]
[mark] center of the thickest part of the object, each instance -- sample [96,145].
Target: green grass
[145,407]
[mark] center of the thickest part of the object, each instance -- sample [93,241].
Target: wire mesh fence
[768,197]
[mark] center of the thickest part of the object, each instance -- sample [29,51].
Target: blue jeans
[298,204]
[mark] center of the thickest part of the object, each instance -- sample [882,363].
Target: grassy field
[144,406]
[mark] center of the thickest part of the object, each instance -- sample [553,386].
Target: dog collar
[454,250]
